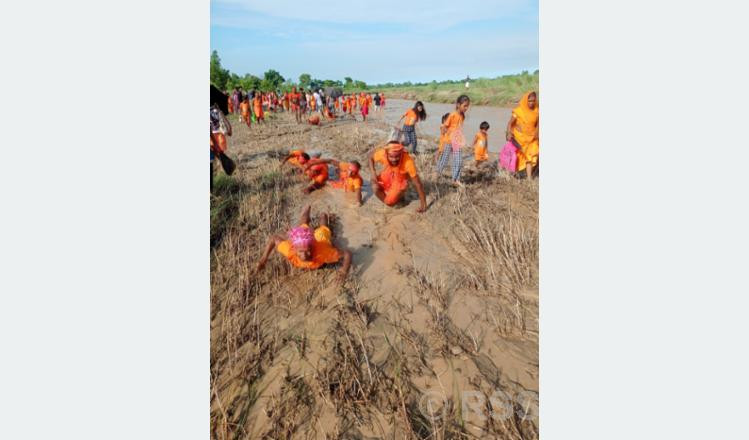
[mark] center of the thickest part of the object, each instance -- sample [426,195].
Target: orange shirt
[406,167]
[244,107]
[350,184]
[258,105]
[480,147]
[297,155]
[411,116]
[322,250]
[444,140]
[319,173]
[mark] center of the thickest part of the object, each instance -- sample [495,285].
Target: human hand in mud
[422,208]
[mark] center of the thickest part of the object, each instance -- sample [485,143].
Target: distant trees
[219,75]
[305,79]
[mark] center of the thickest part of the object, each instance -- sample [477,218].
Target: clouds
[385,41]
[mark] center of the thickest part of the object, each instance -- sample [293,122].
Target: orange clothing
[525,132]
[444,140]
[347,182]
[231,105]
[323,250]
[454,125]
[394,180]
[336,104]
[258,107]
[411,117]
[312,104]
[406,167]
[221,147]
[244,108]
[318,173]
[480,147]
[295,160]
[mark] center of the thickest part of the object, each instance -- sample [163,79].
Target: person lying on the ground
[390,185]
[307,249]
[314,119]
[349,178]
[298,158]
[318,173]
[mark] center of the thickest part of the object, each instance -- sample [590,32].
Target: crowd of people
[313,106]
[312,248]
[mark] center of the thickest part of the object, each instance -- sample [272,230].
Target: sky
[376,41]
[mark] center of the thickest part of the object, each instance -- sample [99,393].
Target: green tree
[360,85]
[219,75]
[348,82]
[305,79]
[273,79]
[250,82]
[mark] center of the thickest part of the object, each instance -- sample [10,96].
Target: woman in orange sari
[523,129]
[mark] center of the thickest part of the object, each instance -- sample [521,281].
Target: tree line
[272,80]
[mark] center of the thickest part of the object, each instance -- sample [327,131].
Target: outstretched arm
[508,132]
[272,243]
[372,169]
[346,266]
[422,196]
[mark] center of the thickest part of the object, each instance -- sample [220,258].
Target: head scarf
[522,109]
[301,236]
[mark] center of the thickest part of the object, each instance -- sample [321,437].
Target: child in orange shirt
[443,138]
[306,249]
[456,141]
[412,115]
[481,144]
[244,108]
[349,178]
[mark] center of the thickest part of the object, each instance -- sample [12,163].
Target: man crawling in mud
[306,249]
[390,185]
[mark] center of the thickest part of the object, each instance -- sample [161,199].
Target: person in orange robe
[523,129]
[308,249]
[294,102]
[298,158]
[318,173]
[390,185]
[364,106]
[244,109]
[231,105]
[258,107]
[349,178]
[481,144]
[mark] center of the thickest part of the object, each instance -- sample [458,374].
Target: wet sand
[497,118]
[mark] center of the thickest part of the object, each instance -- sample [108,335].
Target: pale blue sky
[376,41]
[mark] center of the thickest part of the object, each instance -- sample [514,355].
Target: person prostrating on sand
[349,178]
[298,158]
[308,249]
[390,185]
[318,173]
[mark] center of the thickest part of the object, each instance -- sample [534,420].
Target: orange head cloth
[523,108]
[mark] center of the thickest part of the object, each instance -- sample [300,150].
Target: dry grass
[292,357]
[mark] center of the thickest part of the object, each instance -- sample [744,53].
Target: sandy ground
[441,303]
[497,118]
